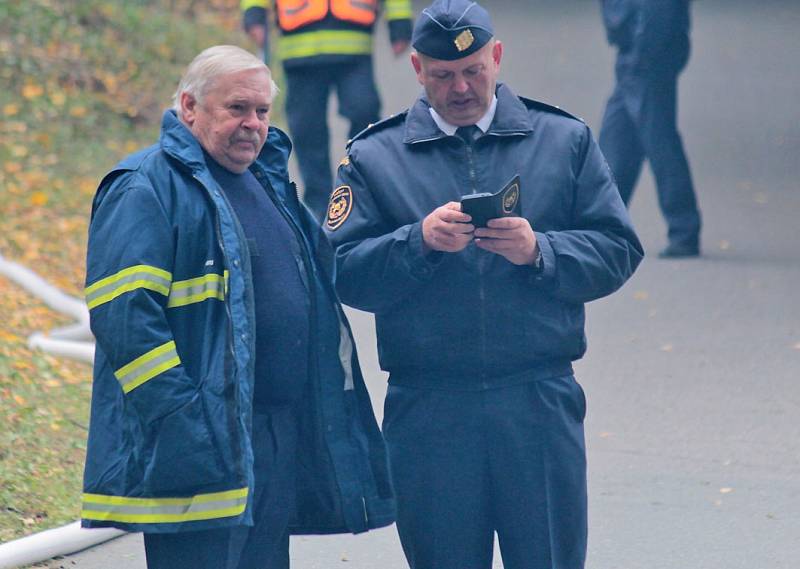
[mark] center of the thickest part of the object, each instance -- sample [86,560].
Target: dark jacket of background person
[444,319]
[174,454]
[652,35]
[330,39]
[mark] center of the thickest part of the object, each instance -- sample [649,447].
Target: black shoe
[679,251]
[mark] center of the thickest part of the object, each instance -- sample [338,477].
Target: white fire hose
[74,341]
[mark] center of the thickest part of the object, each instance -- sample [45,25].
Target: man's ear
[416,62]
[497,52]
[188,108]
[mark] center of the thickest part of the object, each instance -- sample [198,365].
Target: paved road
[693,368]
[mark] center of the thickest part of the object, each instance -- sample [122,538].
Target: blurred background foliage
[82,83]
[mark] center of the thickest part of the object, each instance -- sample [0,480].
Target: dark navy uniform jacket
[472,319]
[170,295]
[652,35]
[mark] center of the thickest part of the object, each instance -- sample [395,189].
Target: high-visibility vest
[293,14]
[297,13]
[354,39]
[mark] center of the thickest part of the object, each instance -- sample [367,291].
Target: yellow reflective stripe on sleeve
[245,4]
[225,275]
[325,42]
[132,278]
[195,290]
[147,366]
[398,10]
[164,510]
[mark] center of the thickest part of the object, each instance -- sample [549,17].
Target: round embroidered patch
[510,198]
[339,207]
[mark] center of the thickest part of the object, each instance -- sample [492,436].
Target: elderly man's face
[460,91]
[232,118]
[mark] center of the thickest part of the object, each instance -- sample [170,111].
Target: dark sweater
[282,306]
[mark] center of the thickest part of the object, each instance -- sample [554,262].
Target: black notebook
[485,206]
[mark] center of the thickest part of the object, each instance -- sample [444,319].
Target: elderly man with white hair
[228,408]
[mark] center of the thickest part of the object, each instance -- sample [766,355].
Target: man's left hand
[399,47]
[511,237]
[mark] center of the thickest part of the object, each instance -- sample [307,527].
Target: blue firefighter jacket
[170,298]
[473,320]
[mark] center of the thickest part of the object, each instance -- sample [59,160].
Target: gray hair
[212,63]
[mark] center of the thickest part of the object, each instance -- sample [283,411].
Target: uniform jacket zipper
[481,261]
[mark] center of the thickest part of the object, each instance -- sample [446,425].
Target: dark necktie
[468,133]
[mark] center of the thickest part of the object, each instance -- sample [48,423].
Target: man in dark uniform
[326,44]
[641,116]
[478,326]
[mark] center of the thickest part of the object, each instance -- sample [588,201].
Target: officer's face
[461,90]
[232,118]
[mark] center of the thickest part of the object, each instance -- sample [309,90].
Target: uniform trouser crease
[468,464]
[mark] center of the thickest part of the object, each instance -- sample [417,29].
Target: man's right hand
[257,33]
[447,229]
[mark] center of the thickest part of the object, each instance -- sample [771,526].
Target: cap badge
[464,40]
[340,205]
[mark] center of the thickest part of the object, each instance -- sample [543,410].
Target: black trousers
[640,121]
[262,546]
[469,464]
[308,88]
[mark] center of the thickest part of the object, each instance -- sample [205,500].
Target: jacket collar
[179,142]
[510,119]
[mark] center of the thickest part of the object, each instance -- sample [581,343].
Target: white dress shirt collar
[482,124]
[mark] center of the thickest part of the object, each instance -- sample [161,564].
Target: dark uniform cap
[451,29]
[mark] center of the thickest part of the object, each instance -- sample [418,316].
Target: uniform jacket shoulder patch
[339,207]
[544,107]
[378,126]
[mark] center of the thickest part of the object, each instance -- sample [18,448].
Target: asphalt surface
[693,367]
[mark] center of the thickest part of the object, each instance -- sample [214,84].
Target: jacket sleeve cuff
[422,264]
[547,273]
[399,30]
[254,16]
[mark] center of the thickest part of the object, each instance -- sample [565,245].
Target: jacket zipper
[481,259]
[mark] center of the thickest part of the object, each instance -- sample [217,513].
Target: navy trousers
[469,464]
[308,88]
[640,122]
[262,546]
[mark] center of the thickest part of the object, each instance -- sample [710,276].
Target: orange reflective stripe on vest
[358,11]
[294,14]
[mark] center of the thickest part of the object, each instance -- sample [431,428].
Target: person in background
[640,121]
[228,408]
[325,45]
[477,325]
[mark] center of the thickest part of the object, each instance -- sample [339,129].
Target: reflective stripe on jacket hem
[126,280]
[147,366]
[164,510]
[325,42]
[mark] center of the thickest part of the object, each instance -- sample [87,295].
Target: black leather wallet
[485,206]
